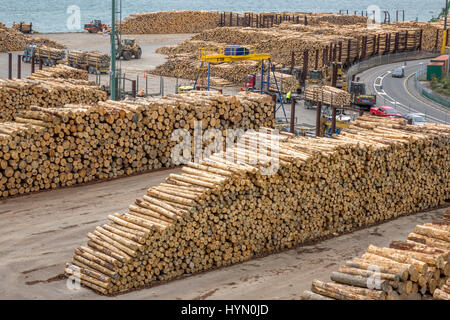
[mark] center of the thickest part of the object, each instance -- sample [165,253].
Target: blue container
[236,51]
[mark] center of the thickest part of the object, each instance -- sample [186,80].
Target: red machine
[95,26]
[384,111]
[251,82]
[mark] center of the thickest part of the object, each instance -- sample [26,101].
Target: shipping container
[435,70]
[443,58]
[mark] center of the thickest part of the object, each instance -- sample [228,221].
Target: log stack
[176,21]
[11,39]
[48,147]
[23,27]
[44,52]
[414,269]
[94,59]
[60,71]
[266,193]
[323,43]
[17,95]
[327,95]
[14,40]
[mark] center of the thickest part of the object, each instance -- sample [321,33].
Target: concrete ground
[39,232]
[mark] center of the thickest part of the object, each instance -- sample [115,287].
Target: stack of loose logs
[59,71]
[95,59]
[47,148]
[415,269]
[323,42]
[20,94]
[175,21]
[44,52]
[269,192]
[327,95]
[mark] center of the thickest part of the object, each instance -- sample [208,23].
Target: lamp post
[113,82]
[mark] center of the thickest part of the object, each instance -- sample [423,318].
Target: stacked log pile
[23,27]
[50,53]
[17,95]
[93,59]
[261,196]
[432,33]
[176,21]
[11,39]
[60,71]
[14,40]
[45,42]
[184,21]
[414,269]
[323,43]
[327,95]
[47,148]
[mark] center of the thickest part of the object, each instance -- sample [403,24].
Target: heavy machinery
[441,14]
[127,49]
[95,26]
[315,77]
[50,57]
[330,70]
[29,53]
[360,98]
[264,82]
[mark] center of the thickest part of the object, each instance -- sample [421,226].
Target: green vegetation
[441,86]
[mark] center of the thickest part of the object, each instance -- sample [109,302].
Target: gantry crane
[234,54]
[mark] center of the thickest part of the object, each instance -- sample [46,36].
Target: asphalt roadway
[401,93]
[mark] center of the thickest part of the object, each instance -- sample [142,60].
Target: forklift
[127,49]
[359,97]
[315,77]
[340,81]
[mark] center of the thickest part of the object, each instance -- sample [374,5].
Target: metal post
[162,86]
[262,76]
[19,67]
[133,88]
[318,116]
[334,75]
[274,99]
[292,116]
[292,61]
[209,74]
[113,83]
[40,64]
[32,64]
[305,66]
[333,120]
[10,55]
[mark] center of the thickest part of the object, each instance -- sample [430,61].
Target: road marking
[399,104]
[405,84]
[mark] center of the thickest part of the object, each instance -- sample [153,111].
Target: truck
[359,97]
[94,62]
[49,56]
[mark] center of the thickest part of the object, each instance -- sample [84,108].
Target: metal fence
[427,92]
[387,59]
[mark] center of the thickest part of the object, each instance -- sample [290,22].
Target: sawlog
[233,206]
[59,145]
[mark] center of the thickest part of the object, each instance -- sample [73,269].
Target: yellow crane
[234,54]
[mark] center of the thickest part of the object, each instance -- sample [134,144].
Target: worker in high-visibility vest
[141,93]
[288,96]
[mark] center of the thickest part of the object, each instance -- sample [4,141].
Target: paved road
[401,93]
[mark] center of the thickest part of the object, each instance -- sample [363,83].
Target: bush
[441,86]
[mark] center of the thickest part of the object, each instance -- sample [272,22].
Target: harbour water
[62,15]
